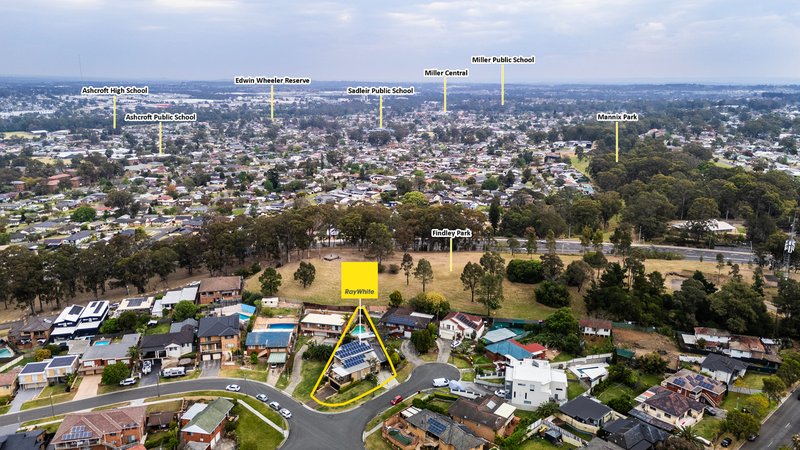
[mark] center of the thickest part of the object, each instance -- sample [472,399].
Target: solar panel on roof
[679,381]
[436,427]
[77,429]
[354,361]
[403,321]
[466,321]
[98,307]
[76,309]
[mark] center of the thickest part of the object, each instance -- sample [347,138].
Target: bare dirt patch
[643,343]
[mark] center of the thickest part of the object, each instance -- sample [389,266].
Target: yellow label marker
[359,280]
[502,84]
[445,94]
[617,141]
[115,112]
[272,102]
[451,254]
[380,122]
[338,344]
[160,141]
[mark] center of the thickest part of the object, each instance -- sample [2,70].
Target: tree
[525,271]
[270,281]
[531,245]
[84,213]
[720,265]
[305,274]
[422,341]
[490,291]
[110,326]
[561,323]
[621,239]
[740,424]
[577,273]
[42,354]
[495,211]
[649,212]
[774,387]
[652,363]
[552,294]
[114,373]
[423,272]
[493,264]
[757,405]
[407,265]
[184,309]
[552,266]
[379,243]
[414,198]
[395,299]
[513,245]
[621,404]
[596,260]
[471,277]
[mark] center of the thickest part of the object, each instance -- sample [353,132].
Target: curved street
[308,429]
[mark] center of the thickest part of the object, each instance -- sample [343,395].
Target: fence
[466,393]
[742,390]
[11,363]
[633,326]
[603,357]
[566,436]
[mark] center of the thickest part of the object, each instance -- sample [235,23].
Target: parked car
[233,387]
[397,399]
[710,412]
[275,405]
[726,442]
[752,437]
[262,397]
[440,382]
[455,343]
[501,393]
[128,382]
[286,413]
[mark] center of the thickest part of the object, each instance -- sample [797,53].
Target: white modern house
[532,382]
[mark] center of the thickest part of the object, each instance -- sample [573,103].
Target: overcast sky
[394,40]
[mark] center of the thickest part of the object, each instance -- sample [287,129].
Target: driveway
[88,387]
[444,350]
[152,377]
[411,353]
[23,395]
[210,368]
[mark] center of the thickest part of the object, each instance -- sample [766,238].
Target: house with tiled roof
[670,407]
[403,321]
[487,417]
[167,346]
[505,351]
[9,382]
[101,430]
[204,422]
[223,290]
[413,427]
[723,368]
[26,440]
[698,387]
[632,434]
[586,413]
[96,357]
[218,337]
[458,325]
[595,327]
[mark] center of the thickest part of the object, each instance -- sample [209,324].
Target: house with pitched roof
[402,322]
[323,325]
[723,368]
[457,325]
[224,290]
[586,414]
[670,407]
[9,382]
[353,362]
[97,357]
[50,371]
[33,331]
[101,430]
[26,440]
[505,351]
[632,434]
[698,387]
[218,337]
[167,346]
[487,417]
[273,343]
[595,327]
[419,428]
[204,422]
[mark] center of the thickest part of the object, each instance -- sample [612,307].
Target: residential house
[595,327]
[218,337]
[487,417]
[499,335]
[66,324]
[506,351]
[101,430]
[9,382]
[36,375]
[532,382]
[141,305]
[32,331]
[415,428]
[323,325]
[456,325]
[97,357]
[670,407]
[175,327]
[220,290]
[274,343]
[352,362]
[586,414]
[204,422]
[633,434]
[591,374]
[91,319]
[696,387]
[166,346]
[172,298]
[723,368]
[403,321]
[26,440]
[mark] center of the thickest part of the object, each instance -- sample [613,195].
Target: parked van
[173,372]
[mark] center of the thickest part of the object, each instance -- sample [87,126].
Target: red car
[397,399]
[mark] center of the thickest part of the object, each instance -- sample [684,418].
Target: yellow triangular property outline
[338,344]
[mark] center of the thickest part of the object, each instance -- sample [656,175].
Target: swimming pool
[6,353]
[101,343]
[359,329]
[282,326]
[244,317]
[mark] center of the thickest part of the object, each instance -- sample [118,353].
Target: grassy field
[161,328]
[18,134]
[165,406]
[309,375]
[350,394]
[376,442]
[751,381]
[708,427]
[252,432]
[535,443]
[574,390]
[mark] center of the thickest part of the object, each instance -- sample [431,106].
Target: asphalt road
[779,428]
[308,430]
[740,255]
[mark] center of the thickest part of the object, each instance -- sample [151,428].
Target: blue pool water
[359,329]
[282,326]
[6,353]
[101,343]
[244,317]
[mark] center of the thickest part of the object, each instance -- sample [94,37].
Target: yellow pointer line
[617,141]
[115,111]
[380,124]
[445,97]
[502,84]
[160,141]
[451,254]
[272,102]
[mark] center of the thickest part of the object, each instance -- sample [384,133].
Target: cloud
[189,5]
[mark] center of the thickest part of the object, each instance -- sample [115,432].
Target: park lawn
[308,377]
[708,427]
[581,166]
[574,390]
[252,432]
[161,328]
[751,381]
[18,134]
[376,442]
[650,379]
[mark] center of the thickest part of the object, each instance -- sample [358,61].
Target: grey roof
[28,440]
[159,341]
[34,367]
[219,326]
[118,350]
[177,326]
[599,444]
[445,429]
[582,407]
[633,434]
[716,362]
[63,361]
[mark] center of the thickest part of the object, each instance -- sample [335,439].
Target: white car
[455,343]
[233,387]
[501,393]
[262,397]
[286,413]
[440,382]
[275,405]
[128,382]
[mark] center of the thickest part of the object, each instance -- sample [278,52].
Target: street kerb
[338,344]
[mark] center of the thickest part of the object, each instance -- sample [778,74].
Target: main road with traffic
[308,429]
